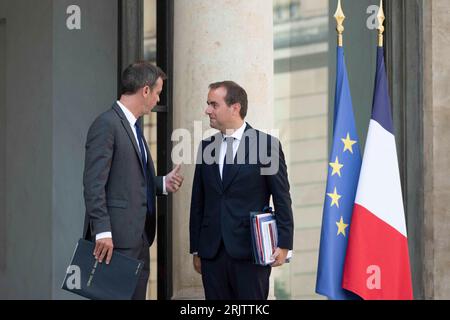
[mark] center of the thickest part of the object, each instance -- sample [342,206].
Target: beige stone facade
[437,149]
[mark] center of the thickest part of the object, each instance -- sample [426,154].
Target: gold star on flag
[334,198]
[341,227]
[348,143]
[336,167]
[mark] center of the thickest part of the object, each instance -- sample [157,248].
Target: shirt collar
[238,133]
[130,117]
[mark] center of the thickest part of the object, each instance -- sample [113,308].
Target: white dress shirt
[132,120]
[237,135]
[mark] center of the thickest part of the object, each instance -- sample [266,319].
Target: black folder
[99,281]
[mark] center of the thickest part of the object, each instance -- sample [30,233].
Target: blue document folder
[99,281]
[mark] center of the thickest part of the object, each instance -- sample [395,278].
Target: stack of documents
[264,237]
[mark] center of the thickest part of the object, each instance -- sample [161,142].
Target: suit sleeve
[280,190]
[158,180]
[99,153]
[197,204]
[159,186]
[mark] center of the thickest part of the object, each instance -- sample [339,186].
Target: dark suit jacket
[114,183]
[221,210]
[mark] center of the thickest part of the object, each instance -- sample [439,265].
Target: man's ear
[237,108]
[146,91]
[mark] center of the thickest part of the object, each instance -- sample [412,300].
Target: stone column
[437,150]
[215,41]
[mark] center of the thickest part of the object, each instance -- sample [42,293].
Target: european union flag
[342,182]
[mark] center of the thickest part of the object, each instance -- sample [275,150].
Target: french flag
[377,260]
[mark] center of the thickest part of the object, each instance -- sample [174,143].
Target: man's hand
[174,180]
[103,248]
[197,264]
[280,257]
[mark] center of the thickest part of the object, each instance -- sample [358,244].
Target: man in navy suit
[237,172]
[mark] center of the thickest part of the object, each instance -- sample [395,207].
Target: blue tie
[144,163]
[228,160]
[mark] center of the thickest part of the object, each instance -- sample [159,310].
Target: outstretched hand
[174,180]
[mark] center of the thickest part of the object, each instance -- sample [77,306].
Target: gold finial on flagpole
[381,19]
[339,16]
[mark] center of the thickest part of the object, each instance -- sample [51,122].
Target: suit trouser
[226,278]
[141,253]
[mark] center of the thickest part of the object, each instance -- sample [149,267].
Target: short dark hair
[139,75]
[235,94]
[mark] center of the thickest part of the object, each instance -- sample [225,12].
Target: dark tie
[144,163]
[229,158]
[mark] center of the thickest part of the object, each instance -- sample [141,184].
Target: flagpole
[381,19]
[340,17]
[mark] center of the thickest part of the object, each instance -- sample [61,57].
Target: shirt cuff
[164,186]
[103,235]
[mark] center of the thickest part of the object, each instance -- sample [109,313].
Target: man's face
[151,97]
[219,113]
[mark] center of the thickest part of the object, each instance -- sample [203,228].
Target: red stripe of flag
[377,261]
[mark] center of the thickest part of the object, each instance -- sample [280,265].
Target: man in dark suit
[119,177]
[237,172]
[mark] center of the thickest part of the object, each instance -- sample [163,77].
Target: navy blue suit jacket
[220,210]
